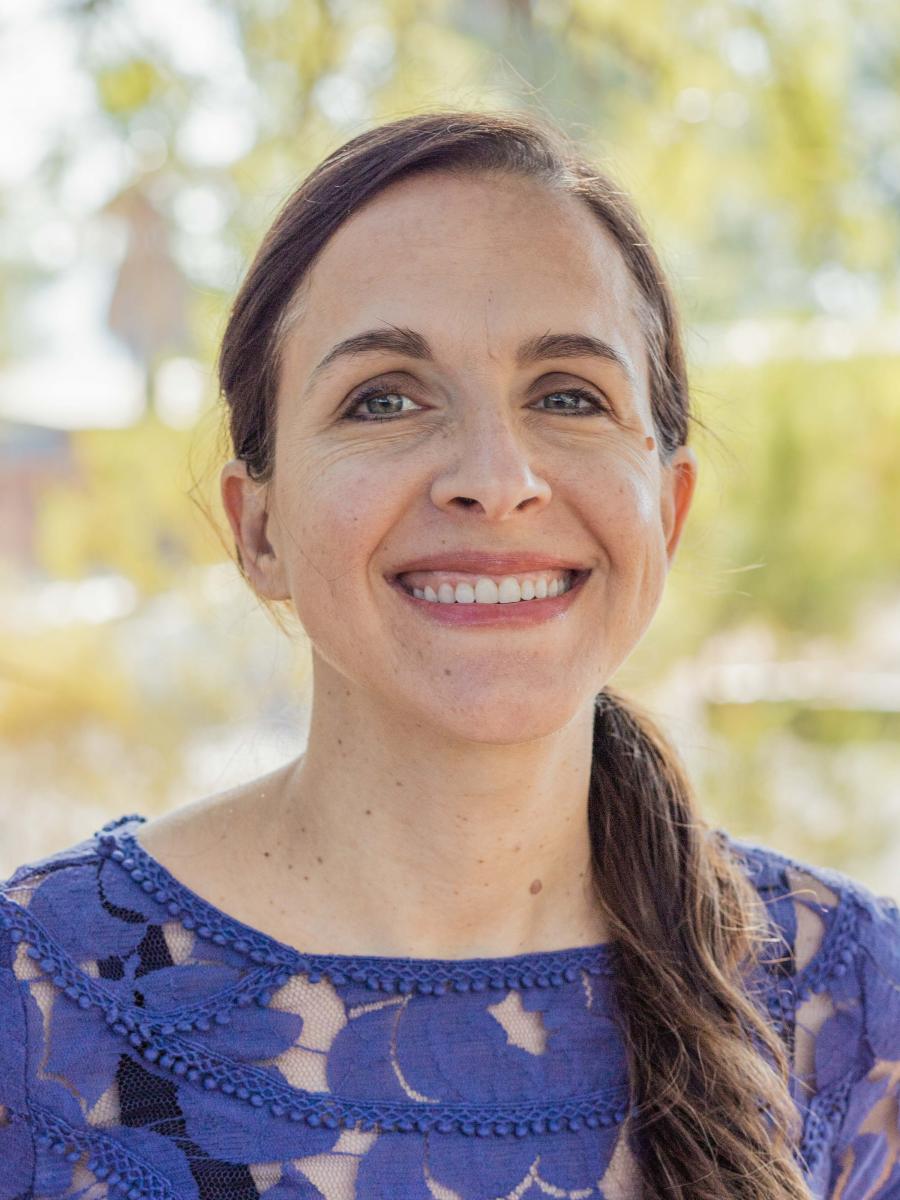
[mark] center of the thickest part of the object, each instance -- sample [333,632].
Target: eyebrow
[400,340]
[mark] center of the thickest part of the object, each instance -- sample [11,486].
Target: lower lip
[522,612]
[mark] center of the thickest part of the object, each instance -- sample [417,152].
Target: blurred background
[146,148]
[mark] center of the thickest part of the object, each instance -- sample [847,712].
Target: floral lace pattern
[153,1046]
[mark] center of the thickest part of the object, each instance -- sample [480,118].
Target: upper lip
[485,562]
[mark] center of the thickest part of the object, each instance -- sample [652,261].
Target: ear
[679,478]
[246,505]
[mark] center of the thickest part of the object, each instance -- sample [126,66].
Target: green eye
[380,394]
[368,397]
[597,405]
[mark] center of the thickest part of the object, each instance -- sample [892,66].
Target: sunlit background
[145,148]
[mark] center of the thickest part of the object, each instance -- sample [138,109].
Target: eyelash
[373,393]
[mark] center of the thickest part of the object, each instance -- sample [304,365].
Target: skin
[446,772]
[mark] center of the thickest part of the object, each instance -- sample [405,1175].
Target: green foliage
[815,491]
[760,141]
[793,521]
[125,88]
[130,509]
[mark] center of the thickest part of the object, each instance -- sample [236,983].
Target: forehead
[475,262]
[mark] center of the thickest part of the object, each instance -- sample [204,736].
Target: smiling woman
[477,941]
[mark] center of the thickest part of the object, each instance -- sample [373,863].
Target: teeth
[509,590]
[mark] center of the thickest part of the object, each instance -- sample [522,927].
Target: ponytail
[690,933]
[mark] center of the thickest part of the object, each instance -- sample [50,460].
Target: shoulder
[836,961]
[53,904]
[98,966]
[830,921]
[21,1014]
[837,1002]
[49,915]
[16,1143]
[90,921]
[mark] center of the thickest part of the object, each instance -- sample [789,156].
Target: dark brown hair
[713,1118]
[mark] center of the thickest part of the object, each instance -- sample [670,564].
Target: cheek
[627,507]
[642,497]
[334,513]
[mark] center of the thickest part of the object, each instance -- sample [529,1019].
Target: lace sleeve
[866,1154]
[16,1146]
[846,1034]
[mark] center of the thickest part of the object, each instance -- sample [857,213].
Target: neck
[407,845]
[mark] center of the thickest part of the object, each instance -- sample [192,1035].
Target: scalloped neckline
[545,961]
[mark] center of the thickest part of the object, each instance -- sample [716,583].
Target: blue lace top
[153,1046]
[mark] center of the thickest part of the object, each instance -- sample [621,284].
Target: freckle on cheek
[535,887]
[650,443]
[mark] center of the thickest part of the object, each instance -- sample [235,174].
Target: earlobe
[245,502]
[678,488]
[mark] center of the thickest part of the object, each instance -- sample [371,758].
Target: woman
[476,941]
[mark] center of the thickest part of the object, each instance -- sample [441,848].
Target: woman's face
[478,449]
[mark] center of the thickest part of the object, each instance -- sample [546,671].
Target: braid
[688,929]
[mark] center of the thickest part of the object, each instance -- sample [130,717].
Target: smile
[542,596]
[443,588]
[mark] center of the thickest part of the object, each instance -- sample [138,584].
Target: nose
[490,468]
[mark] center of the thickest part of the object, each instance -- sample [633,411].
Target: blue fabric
[153,1046]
